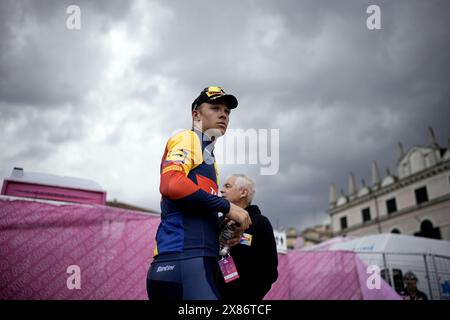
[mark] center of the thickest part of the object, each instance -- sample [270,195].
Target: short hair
[411,275]
[242,181]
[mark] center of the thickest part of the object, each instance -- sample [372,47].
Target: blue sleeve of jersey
[204,200]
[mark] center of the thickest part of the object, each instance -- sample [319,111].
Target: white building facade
[416,201]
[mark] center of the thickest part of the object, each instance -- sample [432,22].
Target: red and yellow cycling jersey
[189,198]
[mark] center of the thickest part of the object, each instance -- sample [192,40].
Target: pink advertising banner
[327,275]
[41,242]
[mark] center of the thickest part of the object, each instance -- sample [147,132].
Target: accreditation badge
[228,269]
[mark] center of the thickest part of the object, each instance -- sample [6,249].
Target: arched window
[427,230]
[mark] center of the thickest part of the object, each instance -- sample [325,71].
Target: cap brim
[229,100]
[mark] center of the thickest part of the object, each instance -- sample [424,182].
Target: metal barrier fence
[432,271]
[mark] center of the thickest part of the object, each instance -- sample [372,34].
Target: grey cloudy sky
[100,102]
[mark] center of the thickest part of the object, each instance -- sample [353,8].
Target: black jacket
[419,295]
[256,264]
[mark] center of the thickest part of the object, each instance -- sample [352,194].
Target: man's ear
[195,115]
[244,193]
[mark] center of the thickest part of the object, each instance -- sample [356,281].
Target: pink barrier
[325,275]
[39,241]
[113,249]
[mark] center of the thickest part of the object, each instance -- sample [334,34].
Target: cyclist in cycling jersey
[185,263]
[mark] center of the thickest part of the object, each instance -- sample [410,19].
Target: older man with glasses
[256,255]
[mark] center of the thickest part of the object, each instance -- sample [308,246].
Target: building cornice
[402,183]
[397,214]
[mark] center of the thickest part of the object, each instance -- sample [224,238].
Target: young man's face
[213,116]
[229,190]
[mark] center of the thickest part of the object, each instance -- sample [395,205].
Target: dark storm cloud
[320,54]
[45,66]
[34,135]
[42,63]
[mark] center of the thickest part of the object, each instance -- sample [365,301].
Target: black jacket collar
[253,209]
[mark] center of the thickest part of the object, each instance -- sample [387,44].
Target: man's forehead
[231,180]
